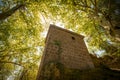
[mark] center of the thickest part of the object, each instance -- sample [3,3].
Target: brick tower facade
[67,48]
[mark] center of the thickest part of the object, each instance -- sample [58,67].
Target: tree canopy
[23,25]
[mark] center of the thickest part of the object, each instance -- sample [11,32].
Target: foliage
[22,24]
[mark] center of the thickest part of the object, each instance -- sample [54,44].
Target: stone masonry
[65,47]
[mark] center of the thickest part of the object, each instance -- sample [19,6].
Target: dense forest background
[24,24]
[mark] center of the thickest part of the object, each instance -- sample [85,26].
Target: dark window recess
[73,38]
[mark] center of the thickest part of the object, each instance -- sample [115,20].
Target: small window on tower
[73,38]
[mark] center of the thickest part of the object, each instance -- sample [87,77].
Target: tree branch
[14,63]
[8,13]
[23,74]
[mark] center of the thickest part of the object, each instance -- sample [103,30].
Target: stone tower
[65,47]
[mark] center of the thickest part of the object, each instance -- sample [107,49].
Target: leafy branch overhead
[23,24]
[11,11]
